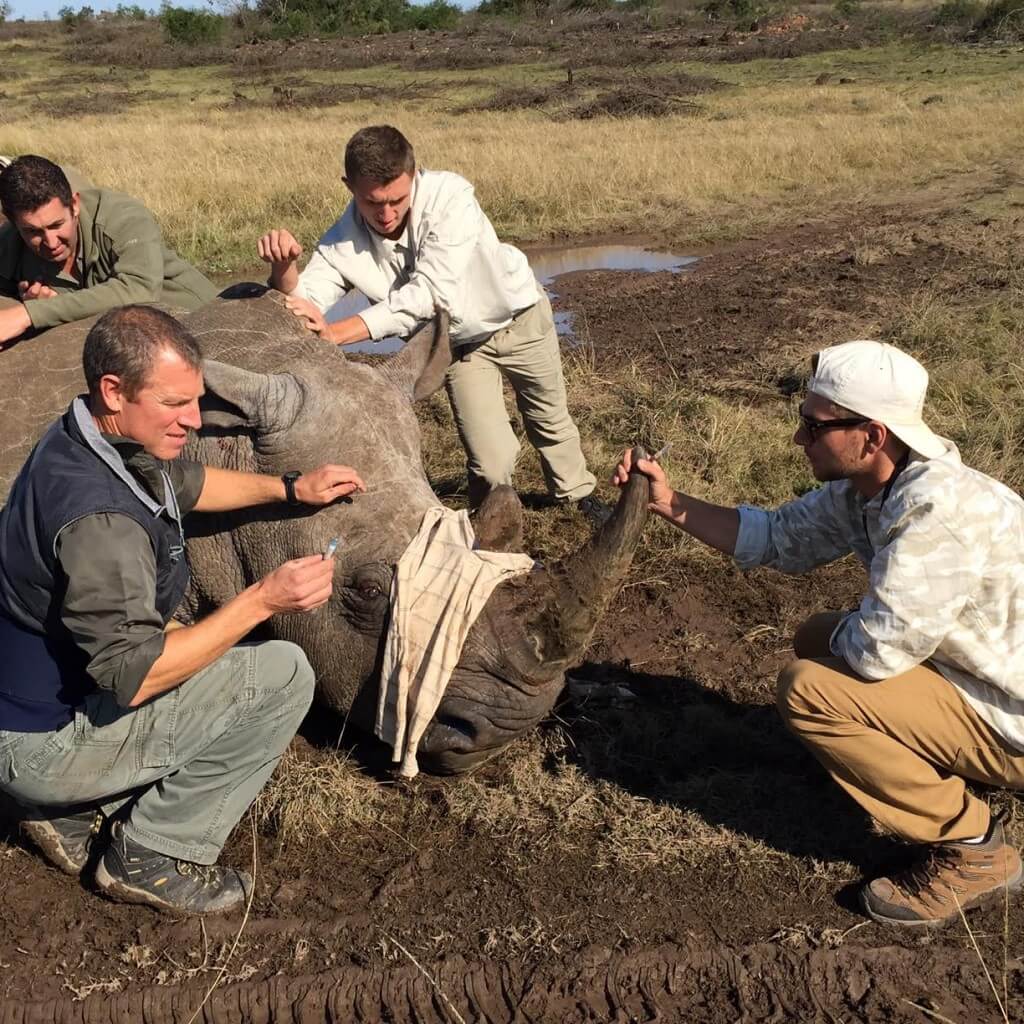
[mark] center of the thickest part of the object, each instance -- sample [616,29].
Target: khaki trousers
[901,747]
[527,353]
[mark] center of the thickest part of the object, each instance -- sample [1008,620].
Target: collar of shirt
[399,252]
[143,466]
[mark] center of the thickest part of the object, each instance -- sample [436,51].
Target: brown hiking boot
[948,878]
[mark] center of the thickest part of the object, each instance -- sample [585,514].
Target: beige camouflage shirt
[944,551]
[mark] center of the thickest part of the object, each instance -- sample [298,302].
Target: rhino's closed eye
[364,596]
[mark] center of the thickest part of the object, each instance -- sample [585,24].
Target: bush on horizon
[339,17]
[72,19]
[191,27]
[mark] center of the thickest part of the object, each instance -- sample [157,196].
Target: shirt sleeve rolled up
[110,602]
[795,538]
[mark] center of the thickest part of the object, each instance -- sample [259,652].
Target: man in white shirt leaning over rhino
[921,687]
[414,241]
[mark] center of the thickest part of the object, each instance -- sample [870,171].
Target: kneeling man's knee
[796,688]
[285,665]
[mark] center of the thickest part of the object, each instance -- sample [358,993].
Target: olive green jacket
[123,260]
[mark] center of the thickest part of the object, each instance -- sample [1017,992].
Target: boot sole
[121,892]
[985,899]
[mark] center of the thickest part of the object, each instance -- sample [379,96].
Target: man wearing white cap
[922,686]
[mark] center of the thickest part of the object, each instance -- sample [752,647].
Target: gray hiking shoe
[132,873]
[64,840]
[597,511]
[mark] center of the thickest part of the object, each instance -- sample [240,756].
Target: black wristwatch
[289,479]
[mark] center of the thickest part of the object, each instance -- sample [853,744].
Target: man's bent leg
[529,353]
[107,752]
[226,733]
[474,389]
[812,637]
[901,747]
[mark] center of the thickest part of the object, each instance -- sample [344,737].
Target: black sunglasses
[816,427]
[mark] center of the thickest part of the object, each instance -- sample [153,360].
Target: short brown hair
[379,154]
[30,182]
[126,342]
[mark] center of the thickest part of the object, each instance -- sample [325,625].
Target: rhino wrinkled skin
[279,398]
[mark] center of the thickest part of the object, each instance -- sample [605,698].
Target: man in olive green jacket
[66,255]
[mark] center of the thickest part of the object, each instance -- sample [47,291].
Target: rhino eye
[369,591]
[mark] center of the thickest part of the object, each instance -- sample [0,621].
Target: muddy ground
[440,921]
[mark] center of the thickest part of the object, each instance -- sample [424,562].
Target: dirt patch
[519,97]
[633,102]
[105,102]
[460,58]
[581,96]
[512,906]
[299,94]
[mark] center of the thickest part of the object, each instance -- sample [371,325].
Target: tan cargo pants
[527,353]
[901,747]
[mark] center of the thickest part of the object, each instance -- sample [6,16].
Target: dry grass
[546,800]
[217,178]
[311,799]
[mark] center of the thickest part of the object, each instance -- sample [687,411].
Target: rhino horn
[265,402]
[419,369]
[585,582]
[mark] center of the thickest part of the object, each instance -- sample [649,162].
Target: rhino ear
[266,402]
[419,369]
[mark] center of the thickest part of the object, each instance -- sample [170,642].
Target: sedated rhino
[279,398]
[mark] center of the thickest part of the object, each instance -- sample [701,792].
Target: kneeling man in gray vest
[108,717]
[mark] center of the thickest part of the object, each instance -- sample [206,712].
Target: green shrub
[1001,18]
[735,10]
[292,25]
[5,11]
[437,15]
[958,12]
[332,17]
[189,27]
[847,8]
[71,18]
[131,12]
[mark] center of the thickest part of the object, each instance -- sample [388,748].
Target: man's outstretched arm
[714,525]
[225,490]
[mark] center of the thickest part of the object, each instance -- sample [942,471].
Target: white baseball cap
[879,381]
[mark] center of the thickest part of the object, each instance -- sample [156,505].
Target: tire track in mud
[759,983]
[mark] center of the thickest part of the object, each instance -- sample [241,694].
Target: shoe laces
[927,870]
[206,874]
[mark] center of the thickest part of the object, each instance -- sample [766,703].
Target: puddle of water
[547,264]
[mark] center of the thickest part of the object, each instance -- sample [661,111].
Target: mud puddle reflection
[548,264]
